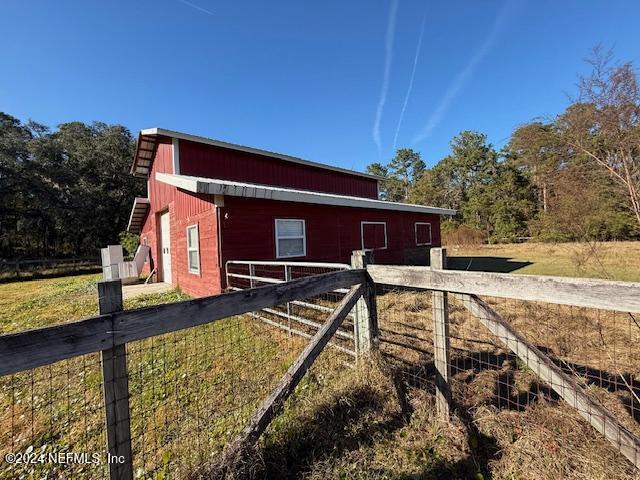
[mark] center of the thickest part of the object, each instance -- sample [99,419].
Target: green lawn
[610,260]
[190,391]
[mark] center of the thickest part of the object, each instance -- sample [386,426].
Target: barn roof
[268,192]
[147,143]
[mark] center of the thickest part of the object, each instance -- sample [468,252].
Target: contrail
[197,7]
[464,75]
[391,26]
[413,76]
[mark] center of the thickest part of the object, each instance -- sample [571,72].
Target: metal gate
[303,318]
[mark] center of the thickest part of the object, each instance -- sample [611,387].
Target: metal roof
[238,189]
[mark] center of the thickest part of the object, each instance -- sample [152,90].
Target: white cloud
[466,73]
[197,7]
[391,26]
[413,75]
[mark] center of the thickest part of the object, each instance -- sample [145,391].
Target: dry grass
[609,260]
[517,426]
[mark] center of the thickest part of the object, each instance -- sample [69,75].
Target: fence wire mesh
[53,421]
[190,394]
[499,392]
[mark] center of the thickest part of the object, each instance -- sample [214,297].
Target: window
[374,235]
[290,238]
[193,249]
[423,233]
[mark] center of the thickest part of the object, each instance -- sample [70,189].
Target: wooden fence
[467,287]
[109,333]
[35,266]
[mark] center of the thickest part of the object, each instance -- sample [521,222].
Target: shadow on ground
[486,264]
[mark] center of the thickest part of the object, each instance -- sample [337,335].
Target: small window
[423,233]
[290,238]
[374,235]
[193,249]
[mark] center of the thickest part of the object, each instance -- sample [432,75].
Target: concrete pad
[130,291]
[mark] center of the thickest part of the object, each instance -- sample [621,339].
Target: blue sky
[328,81]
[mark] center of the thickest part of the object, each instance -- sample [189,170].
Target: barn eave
[213,186]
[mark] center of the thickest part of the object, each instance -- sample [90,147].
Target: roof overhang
[146,147]
[237,189]
[138,213]
[147,143]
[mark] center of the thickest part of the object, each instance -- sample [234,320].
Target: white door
[165,246]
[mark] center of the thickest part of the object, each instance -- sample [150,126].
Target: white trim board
[257,151]
[237,189]
[430,234]
[175,155]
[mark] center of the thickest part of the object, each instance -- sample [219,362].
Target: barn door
[165,246]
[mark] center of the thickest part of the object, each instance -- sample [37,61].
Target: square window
[423,233]
[374,235]
[290,238]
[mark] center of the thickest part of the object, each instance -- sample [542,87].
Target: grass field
[610,260]
[192,390]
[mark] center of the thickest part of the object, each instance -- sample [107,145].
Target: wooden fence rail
[18,267]
[579,292]
[34,348]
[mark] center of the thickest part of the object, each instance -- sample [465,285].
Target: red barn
[210,201]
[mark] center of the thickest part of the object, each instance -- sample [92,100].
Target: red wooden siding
[332,233]
[184,209]
[225,164]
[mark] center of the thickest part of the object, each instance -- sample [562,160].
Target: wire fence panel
[52,421]
[190,393]
[496,383]
[406,333]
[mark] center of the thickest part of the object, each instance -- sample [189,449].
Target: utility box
[112,256]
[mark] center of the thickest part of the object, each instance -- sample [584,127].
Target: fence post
[116,390]
[365,321]
[441,338]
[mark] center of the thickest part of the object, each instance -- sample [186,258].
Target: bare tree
[604,124]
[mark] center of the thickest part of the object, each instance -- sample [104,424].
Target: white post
[287,278]
[441,338]
[365,314]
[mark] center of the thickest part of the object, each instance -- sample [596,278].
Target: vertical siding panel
[222,163]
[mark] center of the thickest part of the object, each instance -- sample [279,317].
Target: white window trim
[195,271]
[430,234]
[386,243]
[303,236]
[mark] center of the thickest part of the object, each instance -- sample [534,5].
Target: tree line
[66,192]
[572,177]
